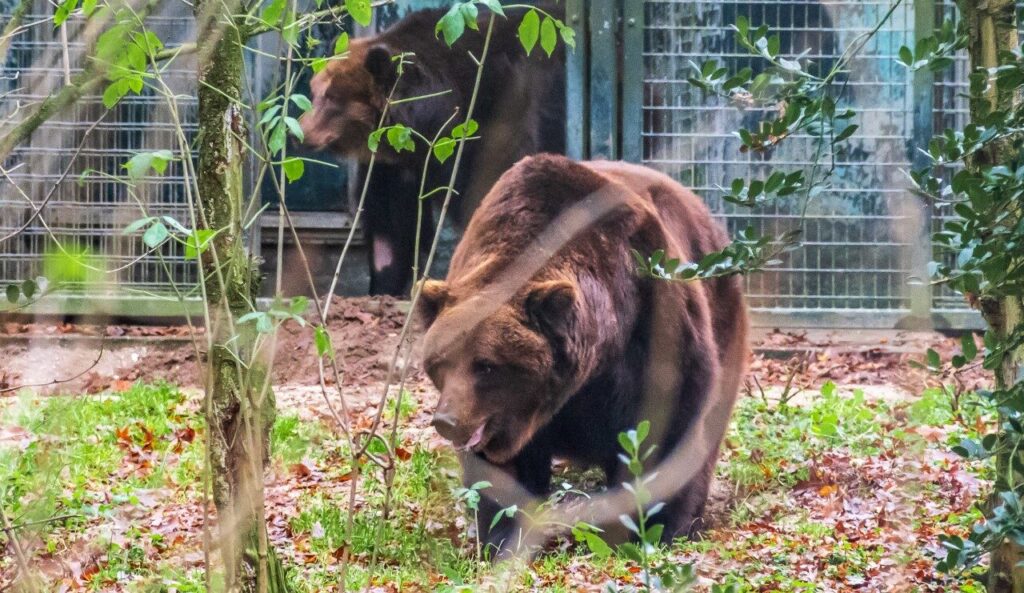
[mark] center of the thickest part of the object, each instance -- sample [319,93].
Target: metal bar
[576,85]
[924,105]
[604,97]
[632,80]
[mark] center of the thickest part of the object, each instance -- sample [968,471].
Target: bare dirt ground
[65,358]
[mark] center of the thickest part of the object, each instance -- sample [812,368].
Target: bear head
[348,96]
[500,364]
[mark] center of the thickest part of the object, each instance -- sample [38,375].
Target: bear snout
[462,436]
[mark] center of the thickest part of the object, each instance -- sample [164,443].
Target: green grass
[88,460]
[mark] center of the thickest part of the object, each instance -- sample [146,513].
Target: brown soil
[69,358]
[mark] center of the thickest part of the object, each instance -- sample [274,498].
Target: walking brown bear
[545,342]
[520,110]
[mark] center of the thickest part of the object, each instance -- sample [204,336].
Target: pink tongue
[475,439]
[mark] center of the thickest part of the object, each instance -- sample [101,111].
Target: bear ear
[433,297]
[378,62]
[549,305]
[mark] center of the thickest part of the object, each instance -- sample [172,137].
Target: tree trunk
[992,29]
[240,404]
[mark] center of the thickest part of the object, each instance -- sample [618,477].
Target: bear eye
[483,368]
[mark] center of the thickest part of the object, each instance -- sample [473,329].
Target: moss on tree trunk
[240,403]
[992,29]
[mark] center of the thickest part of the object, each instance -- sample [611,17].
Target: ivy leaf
[341,45]
[529,30]
[156,234]
[548,36]
[293,167]
[360,10]
[13,293]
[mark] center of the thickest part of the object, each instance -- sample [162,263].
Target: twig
[95,362]
[53,189]
[19,552]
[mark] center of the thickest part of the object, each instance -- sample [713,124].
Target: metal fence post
[632,80]
[577,110]
[604,79]
[924,105]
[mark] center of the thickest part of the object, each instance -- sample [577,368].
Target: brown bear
[520,110]
[544,341]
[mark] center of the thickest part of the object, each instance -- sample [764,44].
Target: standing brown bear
[545,342]
[520,111]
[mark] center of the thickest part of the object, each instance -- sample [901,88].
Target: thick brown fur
[584,348]
[520,110]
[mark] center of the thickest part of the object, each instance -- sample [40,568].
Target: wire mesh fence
[855,253]
[859,235]
[67,166]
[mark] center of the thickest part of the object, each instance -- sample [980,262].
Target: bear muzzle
[463,437]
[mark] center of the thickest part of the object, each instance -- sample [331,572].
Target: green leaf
[360,10]
[156,234]
[273,12]
[302,102]
[341,45]
[568,34]
[628,522]
[466,129]
[13,293]
[970,349]
[631,551]
[642,430]
[138,224]
[906,56]
[113,93]
[88,7]
[548,36]
[28,288]
[294,127]
[452,25]
[278,137]
[373,141]
[597,545]
[934,361]
[323,342]
[318,64]
[293,167]
[849,131]
[494,5]
[140,164]
[298,305]
[443,149]
[64,10]
[400,138]
[197,242]
[529,30]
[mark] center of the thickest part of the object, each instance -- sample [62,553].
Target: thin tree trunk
[992,30]
[240,405]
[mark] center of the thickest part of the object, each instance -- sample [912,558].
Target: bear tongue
[474,440]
